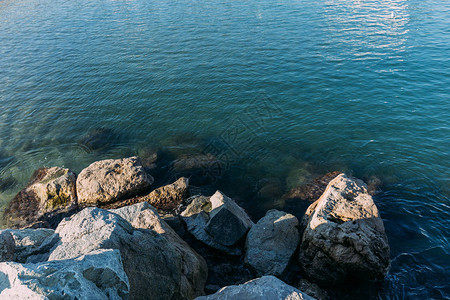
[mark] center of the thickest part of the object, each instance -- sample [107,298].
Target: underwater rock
[344,237]
[264,288]
[158,265]
[201,169]
[271,242]
[97,275]
[312,191]
[110,180]
[98,139]
[218,222]
[49,192]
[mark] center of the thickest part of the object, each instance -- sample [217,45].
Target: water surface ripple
[310,86]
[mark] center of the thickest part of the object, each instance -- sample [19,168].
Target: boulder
[166,198]
[110,180]
[202,169]
[264,288]
[7,246]
[344,237]
[218,222]
[271,243]
[157,266]
[31,242]
[312,289]
[97,275]
[50,191]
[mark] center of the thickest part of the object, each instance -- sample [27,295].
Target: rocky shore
[111,233]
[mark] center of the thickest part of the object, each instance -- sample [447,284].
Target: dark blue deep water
[281,90]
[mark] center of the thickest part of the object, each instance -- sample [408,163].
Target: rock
[97,275]
[312,191]
[157,265]
[30,242]
[7,246]
[344,237]
[50,191]
[193,266]
[170,196]
[271,243]
[165,198]
[218,222]
[264,288]
[312,290]
[98,139]
[110,180]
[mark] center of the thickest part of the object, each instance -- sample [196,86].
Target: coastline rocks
[166,198]
[110,180]
[344,236]
[7,246]
[31,242]
[170,196]
[271,243]
[155,266]
[218,222]
[97,275]
[50,191]
[264,288]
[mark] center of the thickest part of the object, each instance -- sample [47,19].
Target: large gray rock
[264,288]
[97,275]
[156,265]
[110,180]
[271,243]
[218,222]
[32,242]
[7,246]
[344,235]
[50,191]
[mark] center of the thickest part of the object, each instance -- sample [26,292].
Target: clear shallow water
[292,88]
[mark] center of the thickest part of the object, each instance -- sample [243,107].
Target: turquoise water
[282,91]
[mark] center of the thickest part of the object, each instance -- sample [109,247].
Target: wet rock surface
[344,237]
[51,191]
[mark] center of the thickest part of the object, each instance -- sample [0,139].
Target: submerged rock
[264,288]
[344,236]
[110,180]
[97,275]
[271,243]
[158,264]
[50,191]
[98,139]
[312,191]
[218,222]
[7,246]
